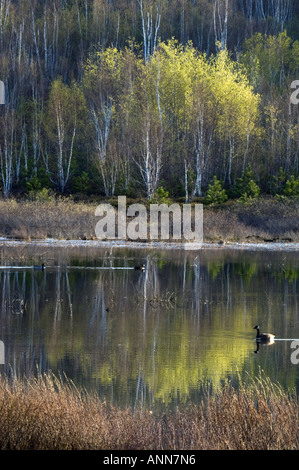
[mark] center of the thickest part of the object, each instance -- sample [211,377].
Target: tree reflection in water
[151,338]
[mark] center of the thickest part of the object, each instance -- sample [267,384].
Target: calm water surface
[148,339]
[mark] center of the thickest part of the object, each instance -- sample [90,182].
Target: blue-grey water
[148,339]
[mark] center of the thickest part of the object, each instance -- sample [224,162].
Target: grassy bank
[46,413]
[261,220]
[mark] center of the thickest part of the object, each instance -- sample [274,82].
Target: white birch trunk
[220,21]
[149,29]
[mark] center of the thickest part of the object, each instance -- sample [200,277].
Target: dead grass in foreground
[52,414]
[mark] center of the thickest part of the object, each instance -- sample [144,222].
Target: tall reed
[51,413]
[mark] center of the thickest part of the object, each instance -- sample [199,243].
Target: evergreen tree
[216,194]
[246,186]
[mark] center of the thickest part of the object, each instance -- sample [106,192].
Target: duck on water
[42,267]
[263,337]
[140,268]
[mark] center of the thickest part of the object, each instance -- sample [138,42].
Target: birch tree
[279,10]
[66,107]
[177,74]
[149,126]
[203,122]
[7,150]
[103,88]
[150,11]
[237,109]
[220,22]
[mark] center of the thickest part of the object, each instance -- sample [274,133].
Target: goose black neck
[257,332]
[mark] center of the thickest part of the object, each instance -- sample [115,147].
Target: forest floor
[265,220]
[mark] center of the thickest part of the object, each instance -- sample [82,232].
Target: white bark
[199,151]
[7,153]
[279,10]
[108,166]
[65,148]
[102,128]
[150,165]
[186,168]
[150,28]
[151,162]
[220,20]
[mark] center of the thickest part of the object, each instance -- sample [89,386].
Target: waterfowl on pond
[140,268]
[263,337]
[42,267]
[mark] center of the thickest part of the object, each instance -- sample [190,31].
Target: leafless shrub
[266,220]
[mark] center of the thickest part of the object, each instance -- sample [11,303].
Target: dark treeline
[109,97]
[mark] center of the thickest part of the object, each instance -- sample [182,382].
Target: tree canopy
[114,97]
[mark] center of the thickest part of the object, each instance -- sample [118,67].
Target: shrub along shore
[257,220]
[48,413]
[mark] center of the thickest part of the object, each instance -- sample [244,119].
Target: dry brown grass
[262,220]
[47,413]
[58,219]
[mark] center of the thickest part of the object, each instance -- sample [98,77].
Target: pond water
[148,339]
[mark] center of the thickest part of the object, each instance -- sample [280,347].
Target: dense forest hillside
[186,98]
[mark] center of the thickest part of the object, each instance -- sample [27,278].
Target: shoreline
[263,224]
[253,246]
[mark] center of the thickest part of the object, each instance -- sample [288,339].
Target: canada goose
[140,268]
[263,337]
[42,267]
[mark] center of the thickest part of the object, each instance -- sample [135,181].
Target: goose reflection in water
[263,343]
[265,339]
